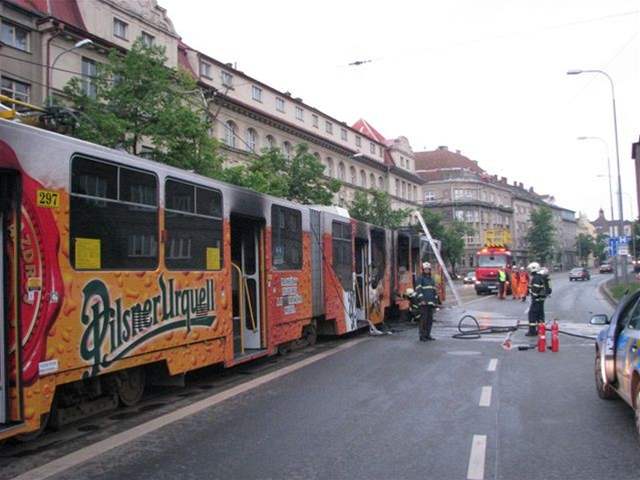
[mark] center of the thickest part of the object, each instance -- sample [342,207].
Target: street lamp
[82,43]
[615,130]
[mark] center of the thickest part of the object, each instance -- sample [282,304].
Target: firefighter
[515,283]
[539,289]
[524,283]
[502,281]
[414,308]
[427,299]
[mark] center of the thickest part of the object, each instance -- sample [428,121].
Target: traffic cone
[542,337]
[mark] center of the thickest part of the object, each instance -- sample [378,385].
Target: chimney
[229,64]
[515,184]
[503,180]
[443,147]
[287,94]
[521,185]
[530,189]
[458,152]
[298,99]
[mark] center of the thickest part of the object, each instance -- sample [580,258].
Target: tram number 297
[48,199]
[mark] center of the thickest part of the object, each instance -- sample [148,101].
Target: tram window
[113,217]
[193,222]
[342,253]
[286,238]
[377,255]
[403,252]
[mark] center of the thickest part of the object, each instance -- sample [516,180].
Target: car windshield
[576,270]
[492,260]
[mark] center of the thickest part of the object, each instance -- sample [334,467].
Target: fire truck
[490,258]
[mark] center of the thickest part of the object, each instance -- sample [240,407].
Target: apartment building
[249,115]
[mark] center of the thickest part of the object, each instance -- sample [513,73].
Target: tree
[374,207]
[136,100]
[600,247]
[433,221]
[540,235]
[585,245]
[453,242]
[299,178]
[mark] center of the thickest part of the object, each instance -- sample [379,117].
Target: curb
[606,293]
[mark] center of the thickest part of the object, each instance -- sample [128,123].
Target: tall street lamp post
[79,44]
[615,130]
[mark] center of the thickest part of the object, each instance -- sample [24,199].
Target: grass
[618,291]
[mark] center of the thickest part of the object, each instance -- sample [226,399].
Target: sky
[484,77]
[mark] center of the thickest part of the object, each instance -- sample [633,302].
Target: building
[610,228]
[460,189]
[39,59]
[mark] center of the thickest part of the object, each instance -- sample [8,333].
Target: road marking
[493,364]
[485,397]
[479,300]
[476,459]
[87,453]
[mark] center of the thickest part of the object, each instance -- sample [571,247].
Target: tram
[119,272]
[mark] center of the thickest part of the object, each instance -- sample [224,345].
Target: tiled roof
[443,158]
[368,131]
[64,10]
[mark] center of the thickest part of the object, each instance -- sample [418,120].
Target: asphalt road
[392,407]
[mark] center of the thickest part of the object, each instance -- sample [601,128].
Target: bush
[619,291]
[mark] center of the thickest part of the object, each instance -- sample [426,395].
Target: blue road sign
[613,246]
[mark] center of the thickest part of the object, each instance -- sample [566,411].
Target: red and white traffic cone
[555,340]
[542,337]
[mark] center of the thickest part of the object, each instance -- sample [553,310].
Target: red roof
[183,60]
[443,158]
[367,130]
[64,10]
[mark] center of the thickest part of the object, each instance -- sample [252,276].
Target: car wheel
[605,391]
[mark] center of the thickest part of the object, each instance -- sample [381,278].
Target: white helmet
[426,266]
[409,292]
[533,267]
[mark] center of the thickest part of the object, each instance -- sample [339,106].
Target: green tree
[433,220]
[135,99]
[453,242]
[299,178]
[374,207]
[541,234]
[600,245]
[585,245]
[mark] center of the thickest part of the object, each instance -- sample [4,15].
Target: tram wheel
[30,436]
[131,384]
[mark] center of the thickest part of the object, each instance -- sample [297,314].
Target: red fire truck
[490,259]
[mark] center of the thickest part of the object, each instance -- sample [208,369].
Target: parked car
[617,370]
[606,268]
[579,273]
[470,278]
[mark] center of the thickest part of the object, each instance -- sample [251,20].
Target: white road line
[477,457]
[485,397]
[493,364]
[478,300]
[87,453]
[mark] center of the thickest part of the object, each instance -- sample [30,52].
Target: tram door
[362,290]
[246,256]
[8,254]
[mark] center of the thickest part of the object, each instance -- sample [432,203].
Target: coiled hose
[474,331]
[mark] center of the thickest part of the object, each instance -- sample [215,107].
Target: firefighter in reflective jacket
[414,308]
[427,299]
[539,289]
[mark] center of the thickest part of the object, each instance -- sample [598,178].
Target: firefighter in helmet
[539,289]
[414,308]
[427,299]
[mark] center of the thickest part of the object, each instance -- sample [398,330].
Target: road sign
[623,250]
[613,246]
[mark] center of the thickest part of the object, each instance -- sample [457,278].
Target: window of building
[147,39]
[358,141]
[288,150]
[330,166]
[299,114]
[329,127]
[380,183]
[363,179]
[314,120]
[16,90]
[206,70]
[193,224]
[271,142]
[256,93]
[372,148]
[404,190]
[342,257]
[397,187]
[459,215]
[429,196]
[89,72]
[352,175]
[227,79]
[252,140]
[380,150]
[230,131]
[341,171]
[113,217]
[415,194]
[286,238]
[280,104]
[14,36]
[343,134]
[372,180]
[120,28]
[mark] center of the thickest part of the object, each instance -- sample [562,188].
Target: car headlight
[477,282]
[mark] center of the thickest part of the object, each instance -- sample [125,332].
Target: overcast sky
[485,77]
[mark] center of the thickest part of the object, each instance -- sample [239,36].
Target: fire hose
[475,331]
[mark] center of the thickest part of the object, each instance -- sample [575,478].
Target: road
[381,407]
